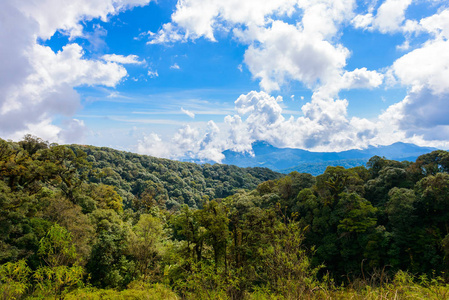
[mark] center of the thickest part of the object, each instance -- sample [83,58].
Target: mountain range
[286,160]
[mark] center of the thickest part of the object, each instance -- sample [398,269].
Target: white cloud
[175,66]
[311,54]
[421,117]
[121,59]
[239,138]
[200,18]
[389,18]
[188,142]
[48,90]
[168,34]
[305,57]
[74,131]
[307,49]
[153,145]
[437,24]
[363,21]
[189,113]
[36,83]
[66,16]
[153,74]
[422,114]
[427,66]
[357,79]
[324,127]
[262,111]
[390,15]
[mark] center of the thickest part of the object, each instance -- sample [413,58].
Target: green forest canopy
[76,215]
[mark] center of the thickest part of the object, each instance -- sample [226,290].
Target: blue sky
[192,78]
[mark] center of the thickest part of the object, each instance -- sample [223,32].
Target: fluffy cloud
[437,24]
[194,19]
[262,112]
[390,17]
[152,144]
[357,79]
[66,15]
[305,58]
[307,49]
[311,55]
[187,143]
[48,89]
[36,83]
[425,67]
[324,127]
[422,114]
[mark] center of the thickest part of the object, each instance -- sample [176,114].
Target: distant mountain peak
[279,159]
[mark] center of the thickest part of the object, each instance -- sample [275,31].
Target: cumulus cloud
[193,19]
[305,58]
[421,117]
[152,144]
[324,127]
[358,79]
[36,83]
[187,143]
[262,112]
[363,21]
[314,56]
[48,89]
[73,132]
[175,66]
[168,34]
[437,24]
[423,112]
[311,55]
[390,17]
[427,66]
[66,16]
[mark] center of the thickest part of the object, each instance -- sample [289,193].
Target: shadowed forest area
[82,222]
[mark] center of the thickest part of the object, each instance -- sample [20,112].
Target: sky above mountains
[192,78]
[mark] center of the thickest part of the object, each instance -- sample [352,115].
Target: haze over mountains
[286,160]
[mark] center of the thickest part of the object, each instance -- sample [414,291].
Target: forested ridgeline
[96,223]
[167,182]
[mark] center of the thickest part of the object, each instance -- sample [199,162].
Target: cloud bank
[284,41]
[300,41]
[37,84]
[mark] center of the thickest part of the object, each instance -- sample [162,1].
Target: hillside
[80,222]
[172,182]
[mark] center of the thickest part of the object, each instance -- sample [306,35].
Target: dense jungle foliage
[95,223]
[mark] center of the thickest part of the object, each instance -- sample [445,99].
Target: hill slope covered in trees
[168,182]
[86,222]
